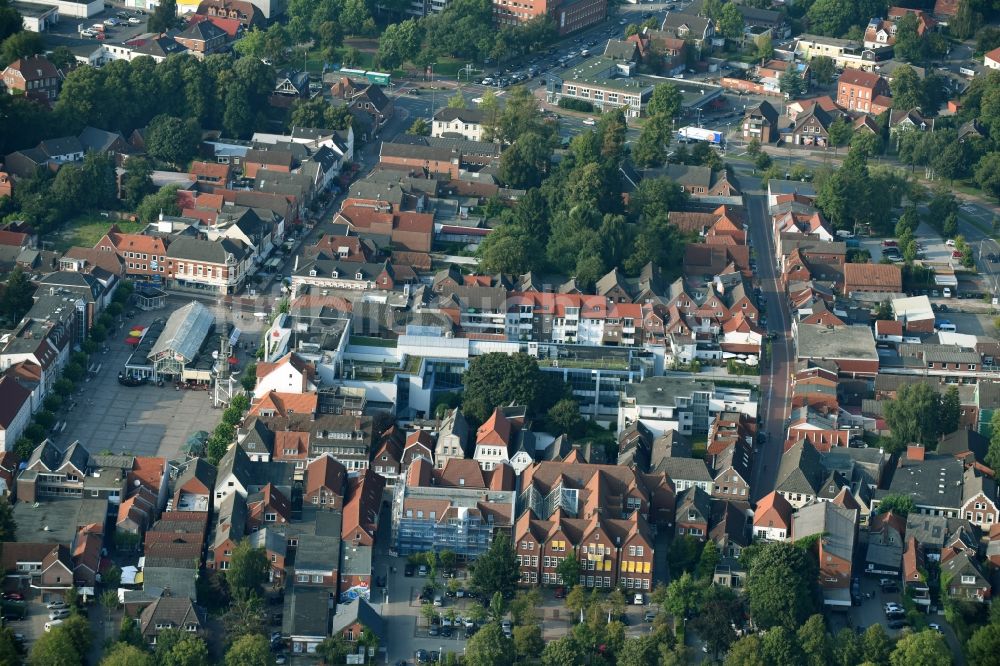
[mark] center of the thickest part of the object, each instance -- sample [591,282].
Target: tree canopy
[781,585]
[497,570]
[498,379]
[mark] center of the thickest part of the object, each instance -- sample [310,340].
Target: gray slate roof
[800,470]
[358,611]
[834,522]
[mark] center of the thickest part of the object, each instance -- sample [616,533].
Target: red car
[13,596]
[560,593]
[956,255]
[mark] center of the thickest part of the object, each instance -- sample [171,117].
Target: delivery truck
[689,134]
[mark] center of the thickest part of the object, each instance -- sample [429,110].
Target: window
[270,517]
[302,578]
[968,580]
[317,578]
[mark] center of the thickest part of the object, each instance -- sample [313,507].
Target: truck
[688,134]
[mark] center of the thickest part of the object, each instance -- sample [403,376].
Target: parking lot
[68,31]
[145,420]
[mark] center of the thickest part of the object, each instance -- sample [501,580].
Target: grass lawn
[85,231]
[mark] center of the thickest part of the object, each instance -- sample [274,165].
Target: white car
[950,243]
[589,121]
[135,20]
[59,614]
[55,605]
[53,623]
[87,33]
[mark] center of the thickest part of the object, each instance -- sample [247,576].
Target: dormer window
[312,273]
[358,276]
[335,274]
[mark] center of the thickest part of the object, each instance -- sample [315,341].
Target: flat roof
[835,342]
[593,71]
[33,9]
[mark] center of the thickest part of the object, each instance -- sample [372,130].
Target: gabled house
[772,518]
[170,612]
[963,576]
[326,483]
[694,510]
[837,530]
[886,536]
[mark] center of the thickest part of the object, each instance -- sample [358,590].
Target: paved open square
[143,420]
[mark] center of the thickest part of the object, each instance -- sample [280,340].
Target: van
[947,328]
[946,292]
[844,233]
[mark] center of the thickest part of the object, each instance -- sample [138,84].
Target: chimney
[914,452]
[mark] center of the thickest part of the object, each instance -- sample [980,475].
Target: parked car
[897,624]
[649,616]
[408,570]
[589,121]
[56,605]
[134,20]
[506,627]
[422,656]
[950,243]
[13,596]
[438,601]
[59,614]
[560,593]
[422,570]
[639,599]
[434,630]
[446,632]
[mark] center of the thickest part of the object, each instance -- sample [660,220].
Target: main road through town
[775,391]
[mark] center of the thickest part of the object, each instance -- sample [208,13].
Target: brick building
[857,89]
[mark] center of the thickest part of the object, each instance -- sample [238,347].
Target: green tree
[993,454]
[830,18]
[173,139]
[987,174]
[906,89]
[876,645]
[565,651]
[641,651]
[164,16]
[525,163]
[249,650]
[528,643]
[847,650]
[398,43]
[730,23]
[333,649]
[17,296]
[951,411]
[781,585]
[718,613]
[318,112]
[419,128]
[123,654]
[684,554]
[163,201]
[510,249]
[248,569]
[901,505]
[840,132]
[569,570]
[497,570]
[748,651]
[823,69]
[9,652]
[683,595]
[765,48]
[963,24]
[20,45]
[129,634]
[983,646]
[137,181]
[924,648]
[913,417]
[565,415]
[499,379]
[489,647]
[815,642]
[665,101]
[708,561]
[55,648]
[779,647]
[175,647]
